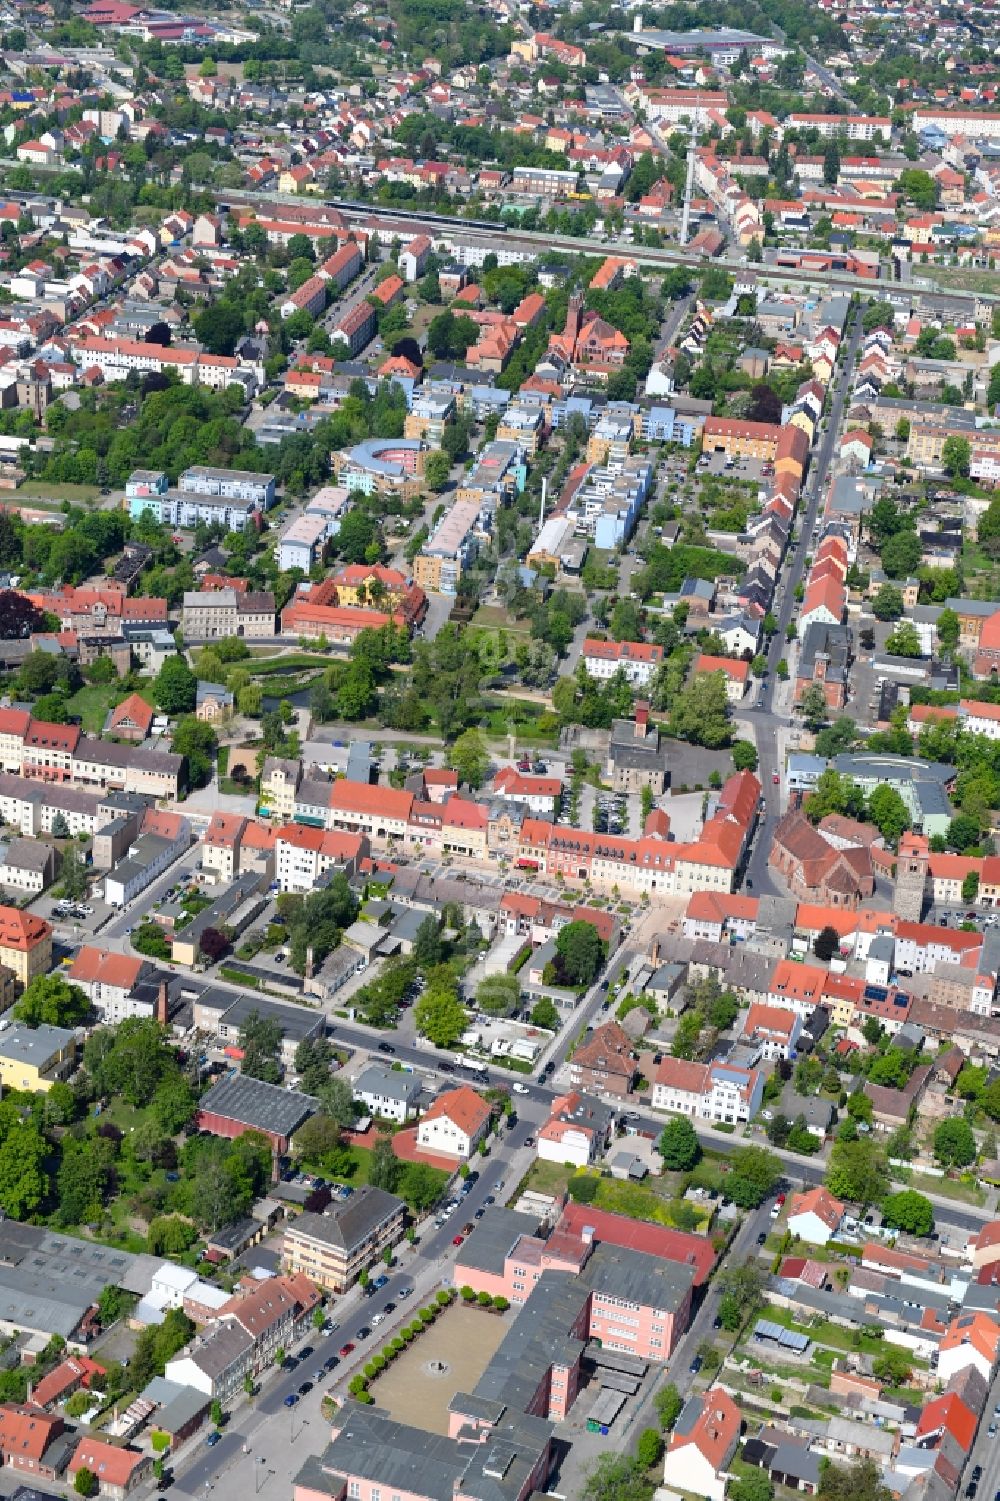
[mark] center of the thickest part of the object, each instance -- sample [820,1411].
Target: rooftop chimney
[641,719]
[162,1005]
[587,1235]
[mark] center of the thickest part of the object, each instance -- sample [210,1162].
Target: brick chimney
[162,1005]
[641,719]
[654,952]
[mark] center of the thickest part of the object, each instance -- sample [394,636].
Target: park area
[449,1357]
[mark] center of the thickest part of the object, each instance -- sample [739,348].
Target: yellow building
[25,944]
[32,1059]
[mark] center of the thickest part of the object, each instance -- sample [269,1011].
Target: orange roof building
[455,1123]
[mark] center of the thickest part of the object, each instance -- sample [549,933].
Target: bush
[484,1300]
[426,1315]
[583,1188]
[649,1449]
[444,1296]
[160,1441]
[500,1303]
[466,1294]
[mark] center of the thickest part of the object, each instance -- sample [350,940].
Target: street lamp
[258,1474]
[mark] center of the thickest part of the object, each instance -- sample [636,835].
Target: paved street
[279,1438]
[763,715]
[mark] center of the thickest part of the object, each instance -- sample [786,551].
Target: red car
[346,1350]
[457,1240]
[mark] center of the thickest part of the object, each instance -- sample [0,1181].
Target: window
[354,1489]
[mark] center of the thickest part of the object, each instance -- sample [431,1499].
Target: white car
[378,1318]
[519,1088]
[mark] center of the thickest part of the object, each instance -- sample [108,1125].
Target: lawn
[93,704]
[530,724]
[37,489]
[548,1177]
[495,618]
[950,1188]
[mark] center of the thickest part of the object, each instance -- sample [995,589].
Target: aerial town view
[500,750]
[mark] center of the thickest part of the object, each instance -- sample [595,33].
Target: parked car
[346,1350]
[213,1438]
[291,1399]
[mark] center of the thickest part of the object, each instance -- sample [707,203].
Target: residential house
[604,1064]
[455,1124]
[702,1444]
[815,1215]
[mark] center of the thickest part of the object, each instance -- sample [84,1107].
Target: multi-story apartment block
[333,1248]
[218,614]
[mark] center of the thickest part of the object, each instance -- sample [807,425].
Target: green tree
[52,1001]
[175,687]
[754,1485]
[440,1016]
[470,759]
[260,1044]
[888,603]
[384,1168]
[893,1365]
[545,1014]
[85,1482]
[700,712]
[216,1414]
[814,707]
[437,468]
[956,455]
[827,944]
[668,1403]
[649,1449]
[579,953]
[24,1182]
[744,1285]
[197,742]
[857,1171]
[498,995]
[752,1177]
[948,631]
[679,1145]
[889,813]
[954,1143]
[73,874]
[909,1211]
[617,1477]
[904,641]
[901,555]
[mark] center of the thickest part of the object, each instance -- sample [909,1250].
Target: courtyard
[448,1357]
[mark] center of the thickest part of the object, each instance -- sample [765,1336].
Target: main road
[761,715]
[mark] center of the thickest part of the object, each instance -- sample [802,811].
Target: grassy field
[93,704]
[549,1177]
[37,489]
[950,1188]
[960,278]
[495,618]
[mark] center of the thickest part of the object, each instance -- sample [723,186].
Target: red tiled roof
[612,1229]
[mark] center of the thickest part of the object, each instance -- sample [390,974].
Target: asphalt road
[276,1434]
[757,877]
